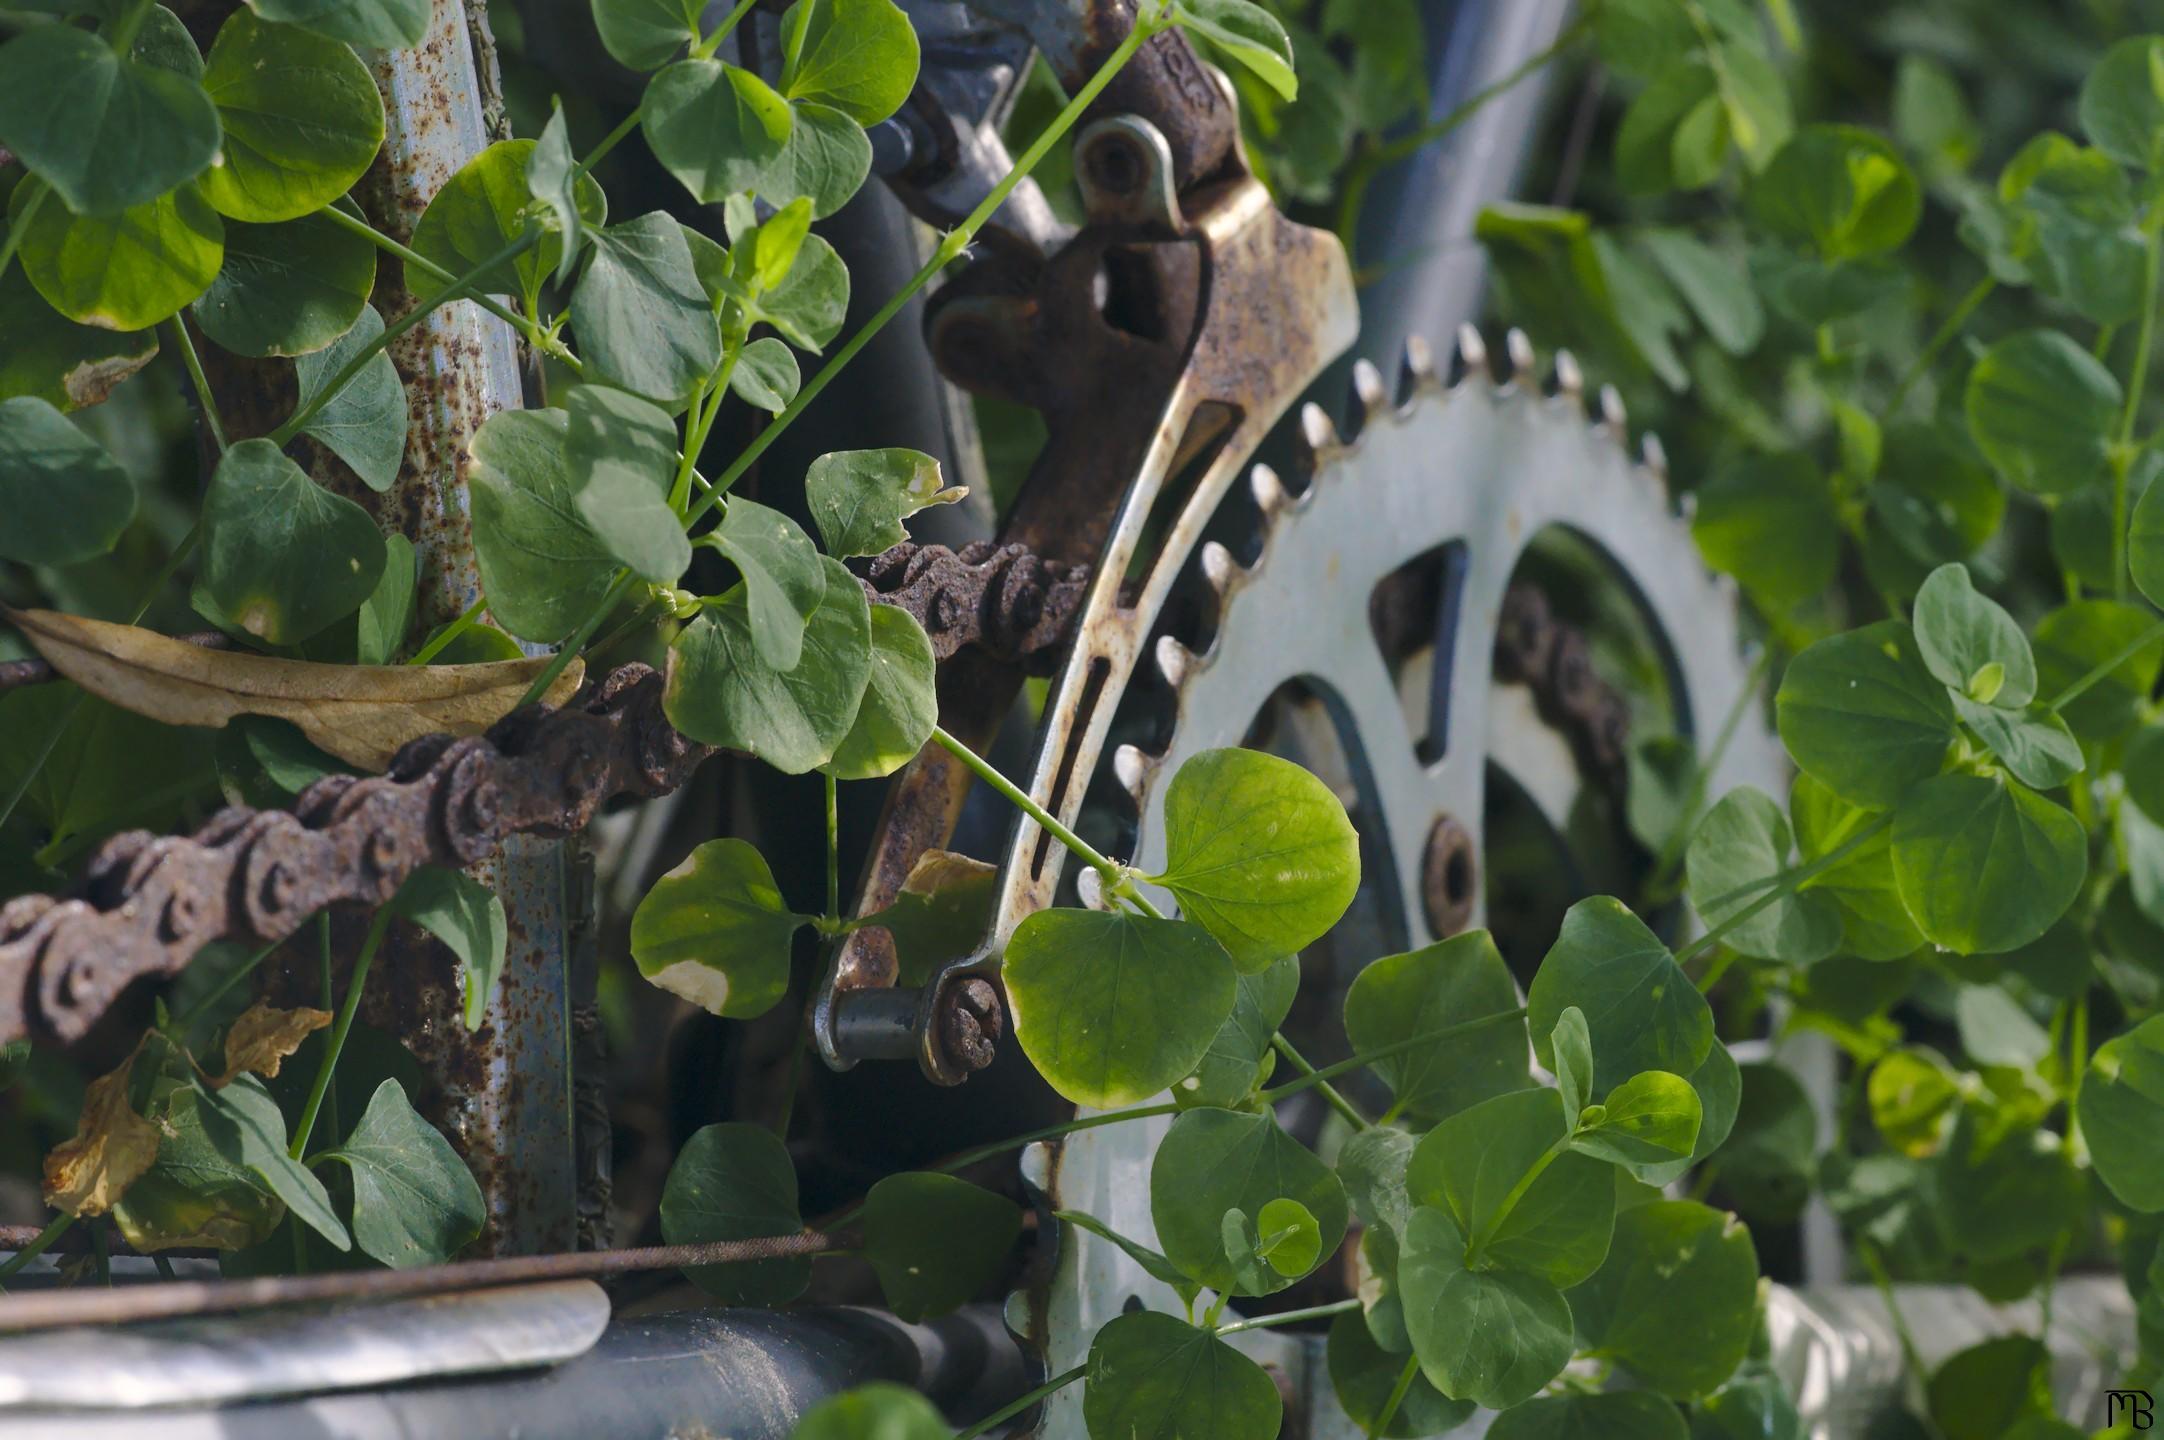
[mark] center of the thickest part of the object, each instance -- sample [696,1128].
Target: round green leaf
[479,211]
[645,34]
[65,498]
[1985,865]
[1239,1057]
[1839,189]
[1154,1377]
[1744,840]
[2003,1197]
[936,1242]
[1911,1093]
[1677,1301]
[1114,1007]
[302,120]
[287,289]
[811,302]
[1212,1161]
[2036,745]
[716,931]
[1768,1162]
[784,576]
[736,1182]
[1861,713]
[1642,1011]
[378,24]
[622,454]
[1365,1376]
[1961,635]
[2075,639]
[1259,852]
[717,128]
[722,692]
[107,134]
[825,161]
[1770,522]
[51,358]
[364,424]
[1985,1390]
[880,1411]
[1400,997]
[859,498]
[1475,1165]
[542,567]
[900,706]
[1874,923]
[282,556]
[1495,1337]
[858,56]
[2122,1114]
[126,271]
[1291,1237]
[1650,1119]
[414,1200]
[468,918]
[1249,34]
[2122,103]
[2043,409]
[1624,1415]
[766,376]
[641,317]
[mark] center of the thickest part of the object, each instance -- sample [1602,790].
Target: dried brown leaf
[111,1149]
[264,1035]
[359,713]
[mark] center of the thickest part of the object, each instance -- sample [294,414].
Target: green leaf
[1861,713]
[1475,1166]
[2145,543]
[2035,745]
[1995,1030]
[242,1123]
[936,1242]
[1643,38]
[1716,286]
[2006,1197]
[880,1411]
[1495,1337]
[1291,1237]
[941,912]
[542,567]
[466,916]
[51,358]
[784,576]
[1372,1166]
[736,1182]
[1156,1266]
[641,318]
[1768,1162]
[716,931]
[552,177]
[2122,1113]
[1931,117]
[1841,190]
[2122,103]
[1985,865]
[1154,1377]
[1248,33]
[1258,852]
[1114,1007]
[900,705]
[364,424]
[1650,1119]
[108,134]
[2042,409]
[809,305]
[387,613]
[1572,1046]
[1984,1391]
[621,452]
[1400,997]
[825,160]
[65,498]
[856,56]
[1911,1093]
[282,556]
[2075,639]
[765,376]
[722,692]
[287,289]
[1625,1415]
[192,1194]
[1239,1057]
[859,498]
[1365,1376]
[109,768]
[378,24]
[1212,1161]
[164,41]
[302,120]
[1874,922]
[1743,841]
[646,34]
[126,271]
[2073,227]
[1931,503]
[1642,1011]
[1645,146]
[480,210]
[717,128]
[414,1200]
[1961,634]
[1677,1301]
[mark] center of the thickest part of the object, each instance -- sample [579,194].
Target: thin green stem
[2121,464]
[2080,687]
[1910,1353]
[1290,1317]
[1791,881]
[990,775]
[54,1229]
[1940,339]
[1672,848]
[340,1028]
[441,640]
[1384,1052]
[1398,1392]
[200,381]
[705,49]
[457,290]
[12,241]
[1313,1076]
[609,142]
[330,998]
[834,849]
[1479,1243]
[619,590]
[2139,376]
[181,1024]
[1035,1397]
[1051,1132]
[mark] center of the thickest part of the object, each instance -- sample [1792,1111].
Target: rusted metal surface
[1450,876]
[1010,602]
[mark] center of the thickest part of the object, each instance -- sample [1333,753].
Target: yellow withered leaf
[359,713]
[264,1035]
[111,1149]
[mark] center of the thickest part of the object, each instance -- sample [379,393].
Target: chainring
[1461,480]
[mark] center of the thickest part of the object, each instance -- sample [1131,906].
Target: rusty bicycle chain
[145,903]
[1555,660]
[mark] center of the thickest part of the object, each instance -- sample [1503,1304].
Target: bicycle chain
[146,904]
[1554,659]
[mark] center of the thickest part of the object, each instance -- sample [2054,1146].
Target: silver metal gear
[1476,471]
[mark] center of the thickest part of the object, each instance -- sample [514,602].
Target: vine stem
[54,1229]
[1940,339]
[1787,883]
[441,640]
[1338,1102]
[339,1030]
[200,381]
[2081,686]
[989,774]
[1398,1392]
[834,849]
[1384,1052]
[1290,1317]
[1035,1397]
[13,240]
